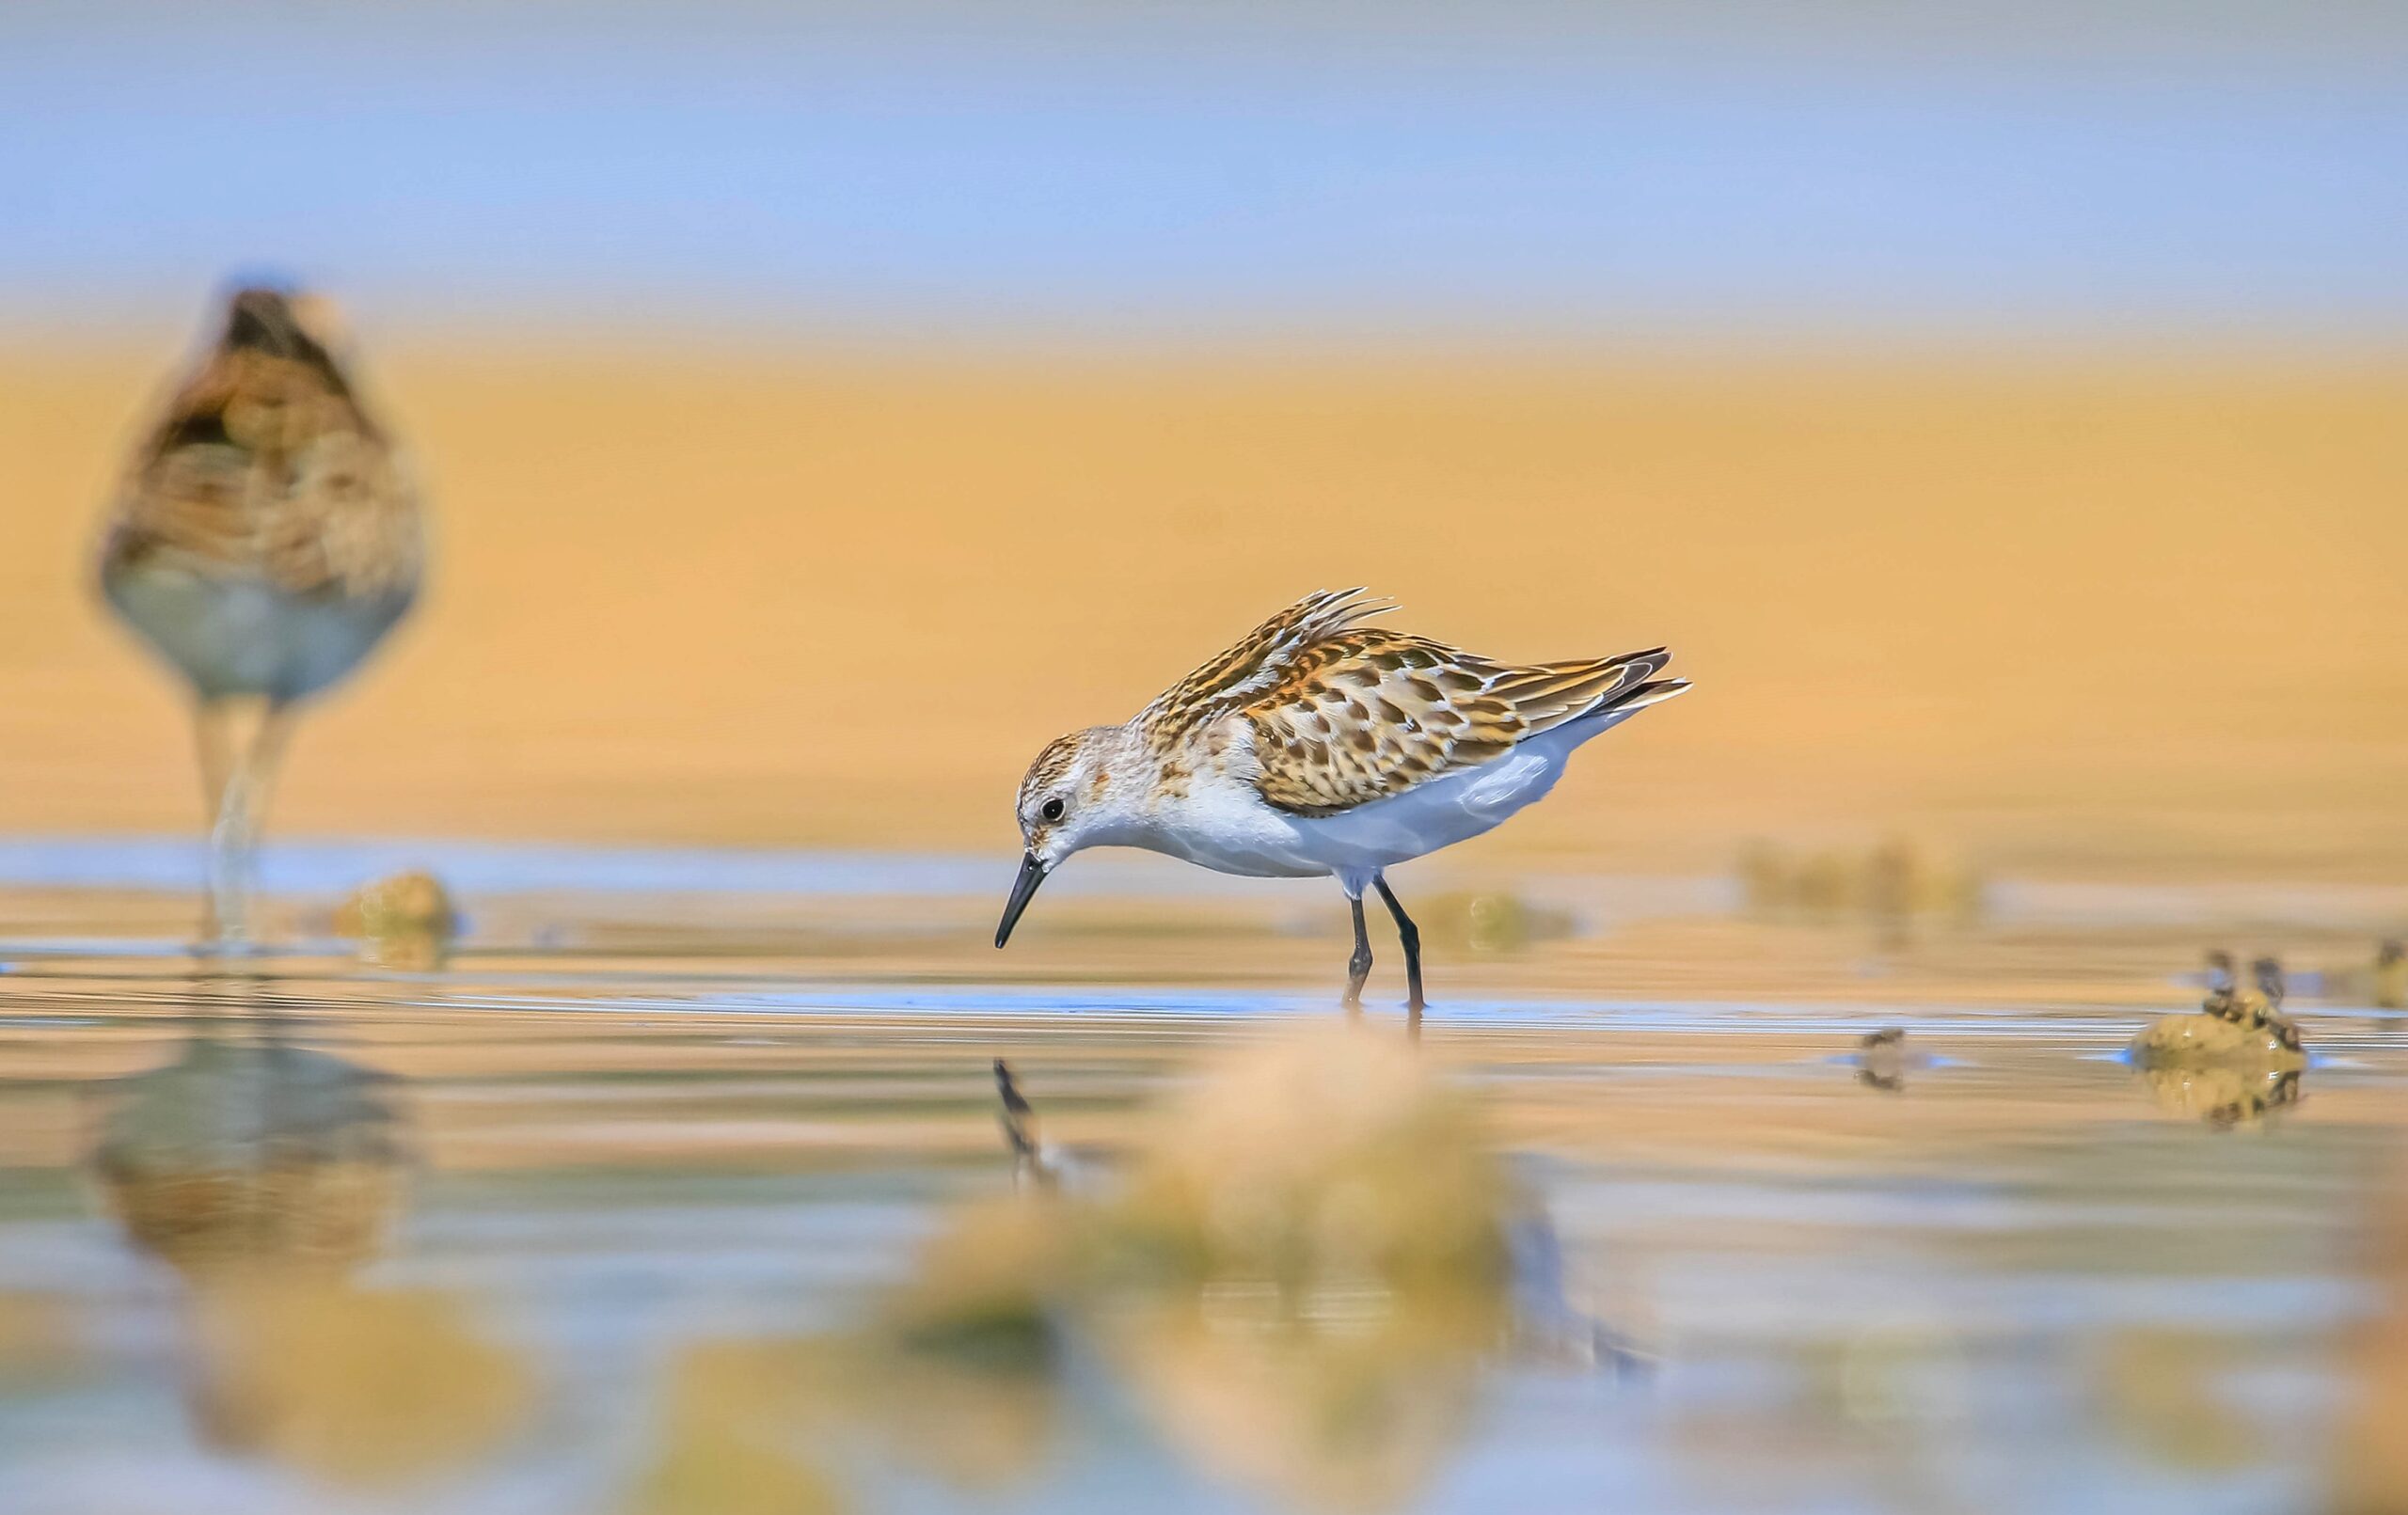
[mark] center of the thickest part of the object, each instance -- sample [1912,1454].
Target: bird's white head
[1084,790]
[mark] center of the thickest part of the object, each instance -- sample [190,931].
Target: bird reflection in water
[264,1176]
[1297,1277]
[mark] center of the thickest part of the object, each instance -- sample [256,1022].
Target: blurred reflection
[1296,1277]
[264,1175]
[2223,1097]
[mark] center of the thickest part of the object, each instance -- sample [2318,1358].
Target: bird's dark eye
[1050,810]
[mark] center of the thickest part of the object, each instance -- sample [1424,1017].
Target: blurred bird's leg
[209,720]
[242,746]
[1359,967]
[213,743]
[1410,934]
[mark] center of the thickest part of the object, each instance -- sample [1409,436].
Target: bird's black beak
[1032,873]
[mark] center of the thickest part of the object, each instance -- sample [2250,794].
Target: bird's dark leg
[1358,967]
[1407,932]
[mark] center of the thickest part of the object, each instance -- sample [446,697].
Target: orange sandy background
[2145,616]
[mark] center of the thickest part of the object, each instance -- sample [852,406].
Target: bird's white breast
[1222,823]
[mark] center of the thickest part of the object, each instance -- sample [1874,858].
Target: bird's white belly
[1438,813]
[236,636]
[1242,836]
[1233,832]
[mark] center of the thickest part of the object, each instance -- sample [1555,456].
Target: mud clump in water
[407,921]
[2199,1040]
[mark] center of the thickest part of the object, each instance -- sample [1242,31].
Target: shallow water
[593,1218]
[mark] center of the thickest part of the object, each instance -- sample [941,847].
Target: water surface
[600,1217]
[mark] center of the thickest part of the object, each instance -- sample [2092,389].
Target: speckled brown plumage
[1342,714]
[265,465]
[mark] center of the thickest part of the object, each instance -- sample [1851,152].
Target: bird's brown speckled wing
[1365,714]
[1258,662]
[265,464]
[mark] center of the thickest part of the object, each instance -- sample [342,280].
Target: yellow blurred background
[2073,614]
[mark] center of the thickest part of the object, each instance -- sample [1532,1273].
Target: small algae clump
[2237,1026]
[406,921]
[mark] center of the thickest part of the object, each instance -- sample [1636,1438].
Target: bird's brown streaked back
[1343,714]
[1259,660]
[265,464]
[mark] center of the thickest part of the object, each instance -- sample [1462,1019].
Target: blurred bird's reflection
[264,1176]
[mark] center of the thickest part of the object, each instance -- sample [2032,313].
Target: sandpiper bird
[264,541]
[1318,745]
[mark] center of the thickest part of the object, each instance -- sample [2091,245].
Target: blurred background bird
[264,541]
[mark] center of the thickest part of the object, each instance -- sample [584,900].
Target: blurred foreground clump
[2369,1476]
[1295,1276]
[1892,885]
[36,1342]
[406,921]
